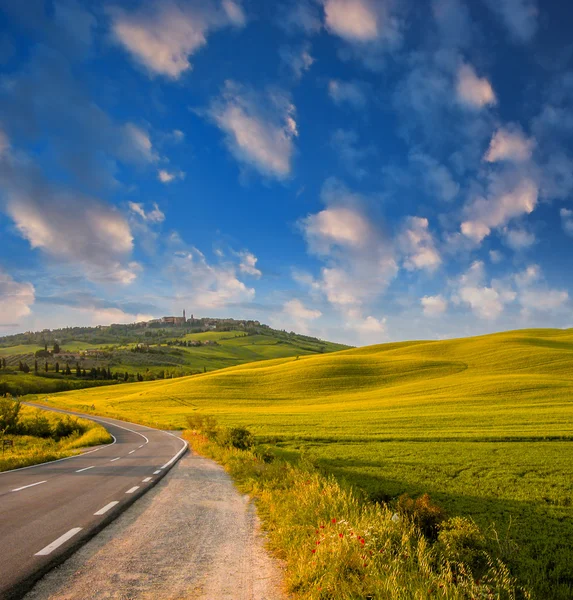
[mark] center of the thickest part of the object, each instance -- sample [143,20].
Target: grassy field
[484,424]
[29,448]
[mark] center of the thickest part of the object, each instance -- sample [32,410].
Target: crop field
[485,425]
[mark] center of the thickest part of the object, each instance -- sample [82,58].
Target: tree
[68,370]
[36,367]
[46,367]
[9,414]
[78,370]
[57,369]
[126,376]
[56,348]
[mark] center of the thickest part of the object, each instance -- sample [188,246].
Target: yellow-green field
[484,424]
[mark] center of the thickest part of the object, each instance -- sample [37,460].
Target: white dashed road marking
[29,486]
[103,510]
[146,479]
[84,469]
[131,490]
[156,472]
[57,543]
[114,459]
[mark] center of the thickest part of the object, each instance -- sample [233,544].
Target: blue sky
[359,170]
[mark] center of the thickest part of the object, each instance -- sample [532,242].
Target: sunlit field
[485,425]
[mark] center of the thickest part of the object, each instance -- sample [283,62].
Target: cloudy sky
[360,170]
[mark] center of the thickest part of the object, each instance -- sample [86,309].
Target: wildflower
[362,541]
[313,550]
[340,535]
[333,521]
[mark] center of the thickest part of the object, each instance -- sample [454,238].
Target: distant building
[174,320]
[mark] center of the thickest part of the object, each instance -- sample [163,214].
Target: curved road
[48,510]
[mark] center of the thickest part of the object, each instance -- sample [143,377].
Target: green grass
[485,424]
[31,450]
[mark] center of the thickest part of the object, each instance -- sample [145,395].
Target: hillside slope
[485,425]
[515,384]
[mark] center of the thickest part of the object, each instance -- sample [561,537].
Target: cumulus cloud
[486,301]
[163,36]
[473,91]
[297,316]
[417,245]
[507,200]
[359,259]
[248,264]
[367,26]
[166,176]
[155,215]
[347,92]
[80,231]
[434,306]
[300,16]
[297,59]
[518,16]
[535,295]
[260,127]
[16,298]
[567,220]
[495,256]
[436,177]
[206,285]
[518,239]
[360,20]
[509,144]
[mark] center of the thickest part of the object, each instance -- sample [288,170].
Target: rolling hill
[484,424]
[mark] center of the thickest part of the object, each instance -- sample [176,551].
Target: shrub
[425,515]
[204,424]
[9,414]
[236,437]
[66,427]
[38,426]
[461,541]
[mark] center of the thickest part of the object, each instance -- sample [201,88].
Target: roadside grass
[483,424]
[30,450]
[337,546]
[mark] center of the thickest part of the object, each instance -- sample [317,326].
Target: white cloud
[205,285]
[248,264]
[509,144]
[519,17]
[487,302]
[109,316]
[534,294]
[297,59]
[15,299]
[495,256]
[163,36]
[434,306]
[518,239]
[567,220]
[153,216]
[79,231]
[360,20]
[369,325]
[359,260]
[507,200]
[168,176]
[297,316]
[473,91]
[436,178]
[259,128]
[300,16]
[347,92]
[138,146]
[417,245]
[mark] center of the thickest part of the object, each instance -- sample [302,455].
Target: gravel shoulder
[193,536]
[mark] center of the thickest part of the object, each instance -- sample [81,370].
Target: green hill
[485,425]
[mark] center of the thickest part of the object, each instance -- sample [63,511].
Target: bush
[425,515]
[38,426]
[236,437]
[203,424]
[9,414]
[66,427]
[461,541]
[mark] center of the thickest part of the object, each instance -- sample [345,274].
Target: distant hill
[77,357]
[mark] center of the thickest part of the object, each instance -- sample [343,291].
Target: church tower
[184,320]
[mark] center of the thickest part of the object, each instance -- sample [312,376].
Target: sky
[358,170]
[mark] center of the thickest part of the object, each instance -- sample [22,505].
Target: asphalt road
[47,511]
